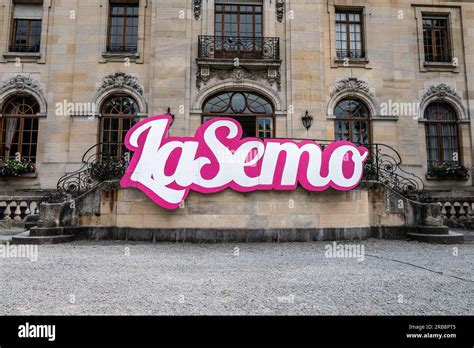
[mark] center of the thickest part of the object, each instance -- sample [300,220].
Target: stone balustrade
[17,209]
[457,212]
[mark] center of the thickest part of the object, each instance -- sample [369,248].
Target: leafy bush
[448,171]
[10,168]
[108,169]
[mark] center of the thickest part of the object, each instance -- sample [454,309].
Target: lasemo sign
[216,158]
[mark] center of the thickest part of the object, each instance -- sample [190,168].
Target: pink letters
[216,158]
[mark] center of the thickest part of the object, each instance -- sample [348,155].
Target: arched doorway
[254,112]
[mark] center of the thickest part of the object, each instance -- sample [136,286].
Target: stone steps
[46,231]
[31,221]
[448,238]
[440,230]
[26,238]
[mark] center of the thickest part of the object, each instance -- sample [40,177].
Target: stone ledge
[193,235]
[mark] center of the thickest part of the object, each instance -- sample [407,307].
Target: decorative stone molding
[23,84]
[120,83]
[120,80]
[353,85]
[445,93]
[238,74]
[441,91]
[280,10]
[355,88]
[214,87]
[20,83]
[197,7]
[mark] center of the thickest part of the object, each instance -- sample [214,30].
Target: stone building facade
[399,73]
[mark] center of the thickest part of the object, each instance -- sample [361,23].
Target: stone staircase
[436,235]
[43,235]
[47,233]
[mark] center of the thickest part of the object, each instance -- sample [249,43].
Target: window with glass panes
[349,34]
[352,121]
[441,128]
[118,115]
[238,30]
[19,128]
[26,27]
[253,112]
[123,27]
[238,20]
[436,39]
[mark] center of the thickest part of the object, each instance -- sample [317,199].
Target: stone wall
[230,209]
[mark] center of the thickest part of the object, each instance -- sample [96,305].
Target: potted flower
[448,171]
[16,167]
[108,169]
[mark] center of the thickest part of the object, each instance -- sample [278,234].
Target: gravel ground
[95,278]
[6,234]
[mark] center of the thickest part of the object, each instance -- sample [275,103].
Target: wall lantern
[307,120]
[168,112]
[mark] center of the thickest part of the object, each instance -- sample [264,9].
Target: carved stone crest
[197,7]
[351,84]
[20,82]
[441,91]
[120,80]
[238,74]
[280,10]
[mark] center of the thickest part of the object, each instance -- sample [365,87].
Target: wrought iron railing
[239,47]
[121,48]
[24,48]
[384,165]
[101,162]
[352,53]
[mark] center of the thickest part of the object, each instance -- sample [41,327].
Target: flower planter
[17,168]
[446,171]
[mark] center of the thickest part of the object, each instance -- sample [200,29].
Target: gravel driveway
[86,278]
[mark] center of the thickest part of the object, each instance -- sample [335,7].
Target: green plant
[108,169]
[10,168]
[448,171]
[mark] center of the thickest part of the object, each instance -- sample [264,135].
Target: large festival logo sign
[167,168]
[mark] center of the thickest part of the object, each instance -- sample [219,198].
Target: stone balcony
[238,58]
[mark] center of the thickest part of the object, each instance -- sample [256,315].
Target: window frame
[33,157]
[448,37]
[351,119]
[13,35]
[439,135]
[347,23]
[239,13]
[123,33]
[120,117]
[206,116]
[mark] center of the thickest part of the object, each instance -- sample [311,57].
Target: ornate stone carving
[238,74]
[441,91]
[197,7]
[120,80]
[20,83]
[280,10]
[351,84]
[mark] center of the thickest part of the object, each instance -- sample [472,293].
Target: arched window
[19,128]
[254,112]
[352,121]
[118,115]
[442,140]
